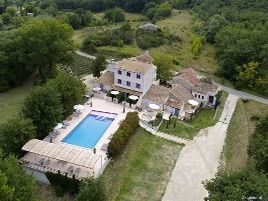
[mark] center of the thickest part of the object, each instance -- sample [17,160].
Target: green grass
[143,171]
[240,130]
[180,130]
[12,100]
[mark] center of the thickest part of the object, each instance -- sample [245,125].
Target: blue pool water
[88,132]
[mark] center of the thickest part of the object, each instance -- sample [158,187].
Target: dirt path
[199,159]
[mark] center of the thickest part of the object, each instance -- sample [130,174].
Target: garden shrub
[123,134]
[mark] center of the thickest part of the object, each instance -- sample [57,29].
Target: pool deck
[100,155]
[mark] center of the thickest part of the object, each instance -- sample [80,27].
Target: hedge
[123,134]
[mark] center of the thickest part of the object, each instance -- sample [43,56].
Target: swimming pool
[89,131]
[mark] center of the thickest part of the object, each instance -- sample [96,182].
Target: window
[198,96]
[119,81]
[138,76]
[138,86]
[119,72]
[128,83]
[195,95]
[128,74]
[202,97]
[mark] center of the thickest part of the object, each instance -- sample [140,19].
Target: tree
[7,193]
[164,65]
[71,90]
[247,74]
[236,185]
[74,20]
[43,106]
[98,65]
[43,43]
[15,133]
[92,190]
[23,185]
[11,11]
[258,147]
[215,23]
[114,15]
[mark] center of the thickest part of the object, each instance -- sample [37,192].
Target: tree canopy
[14,182]
[237,185]
[44,107]
[164,66]
[43,43]
[15,133]
[98,65]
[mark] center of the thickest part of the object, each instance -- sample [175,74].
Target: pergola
[63,152]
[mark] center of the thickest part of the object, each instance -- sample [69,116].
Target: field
[179,24]
[239,132]
[138,175]
[12,100]
[79,35]
[80,65]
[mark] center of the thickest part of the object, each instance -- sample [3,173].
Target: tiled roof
[181,93]
[157,94]
[189,76]
[204,88]
[134,65]
[145,58]
[106,78]
[174,104]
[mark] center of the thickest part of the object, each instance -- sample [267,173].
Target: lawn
[143,171]
[181,129]
[12,100]
[239,132]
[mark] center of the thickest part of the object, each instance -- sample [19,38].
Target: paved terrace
[66,157]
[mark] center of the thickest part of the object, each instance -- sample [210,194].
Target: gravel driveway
[199,159]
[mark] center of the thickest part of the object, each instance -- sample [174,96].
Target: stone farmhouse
[137,76]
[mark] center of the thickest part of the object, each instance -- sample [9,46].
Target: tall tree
[43,43]
[15,133]
[164,66]
[71,90]
[23,185]
[43,106]
[98,65]
[236,185]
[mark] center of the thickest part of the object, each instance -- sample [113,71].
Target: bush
[147,39]
[15,133]
[92,190]
[116,37]
[114,15]
[123,134]
[63,184]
